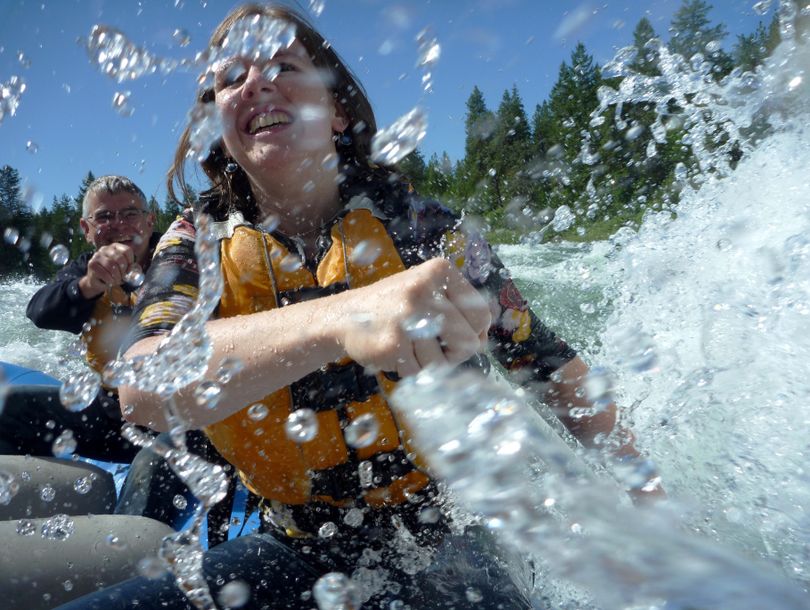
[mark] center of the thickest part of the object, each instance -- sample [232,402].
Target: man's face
[121,219]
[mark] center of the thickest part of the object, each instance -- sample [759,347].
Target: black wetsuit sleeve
[59,304]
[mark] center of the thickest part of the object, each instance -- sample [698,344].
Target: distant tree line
[515,172]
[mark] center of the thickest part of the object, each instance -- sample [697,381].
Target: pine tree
[437,181]
[78,244]
[412,168]
[511,151]
[774,36]
[15,221]
[751,49]
[79,198]
[691,33]
[12,207]
[472,179]
[646,61]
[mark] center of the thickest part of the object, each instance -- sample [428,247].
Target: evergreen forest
[520,173]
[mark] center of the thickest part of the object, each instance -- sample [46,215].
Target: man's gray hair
[112,185]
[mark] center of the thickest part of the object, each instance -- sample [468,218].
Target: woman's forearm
[274,347]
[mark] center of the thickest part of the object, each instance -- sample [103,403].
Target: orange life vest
[107,327]
[258,276]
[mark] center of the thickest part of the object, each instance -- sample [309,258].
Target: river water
[701,321]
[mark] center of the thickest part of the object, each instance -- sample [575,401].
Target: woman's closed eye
[230,75]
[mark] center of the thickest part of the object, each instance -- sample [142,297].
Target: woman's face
[277,112]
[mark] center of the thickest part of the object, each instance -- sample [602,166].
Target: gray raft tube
[46,560]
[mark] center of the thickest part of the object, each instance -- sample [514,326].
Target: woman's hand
[427,315]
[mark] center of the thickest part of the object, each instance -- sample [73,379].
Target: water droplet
[115,542]
[151,568]
[180,502]
[46,239]
[363,431]
[290,263]
[316,7]
[302,425]
[336,591]
[228,368]
[563,218]
[10,93]
[330,161]
[473,595]
[64,445]
[429,514]
[391,145]
[327,530]
[79,390]
[257,412]
[762,7]
[270,223]
[11,235]
[205,129]
[83,485]
[134,276]
[23,59]
[429,49]
[181,37]
[354,517]
[599,386]
[59,255]
[235,594]
[423,327]
[116,56]
[365,253]
[637,473]
[9,486]
[26,527]
[207,394]
[31,147]
[365,472]
[634,132]
[58,527]
[68,585]
[47,493]
[120,103]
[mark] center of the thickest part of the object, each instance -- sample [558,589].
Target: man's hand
[106,268]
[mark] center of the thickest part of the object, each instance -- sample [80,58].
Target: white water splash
[391,145]
[480,438]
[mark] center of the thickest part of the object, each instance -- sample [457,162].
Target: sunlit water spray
[707,340]
[716,299]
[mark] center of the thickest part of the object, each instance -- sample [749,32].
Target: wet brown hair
[231,191]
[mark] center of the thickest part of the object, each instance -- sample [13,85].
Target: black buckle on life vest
[333,387]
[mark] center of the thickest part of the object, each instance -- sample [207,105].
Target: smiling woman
[339,281]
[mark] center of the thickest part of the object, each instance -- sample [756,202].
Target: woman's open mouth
[266,121]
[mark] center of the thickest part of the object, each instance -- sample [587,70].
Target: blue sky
[67,111]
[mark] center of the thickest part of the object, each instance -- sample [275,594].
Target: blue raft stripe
[14,374]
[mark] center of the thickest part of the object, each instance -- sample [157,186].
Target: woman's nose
[259,78]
